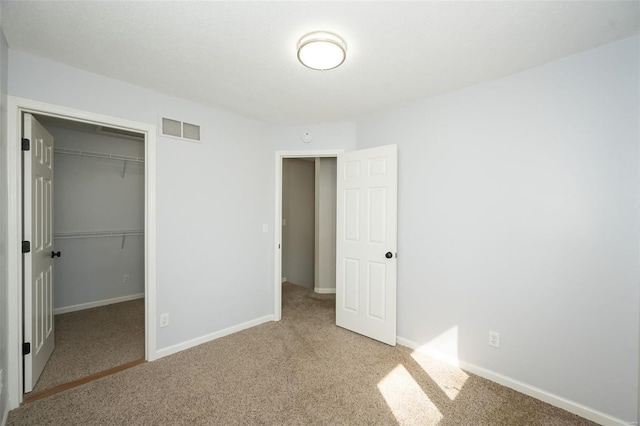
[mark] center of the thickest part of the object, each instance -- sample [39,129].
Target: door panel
[38,264]
[351,284]
[366,231]
[376,292]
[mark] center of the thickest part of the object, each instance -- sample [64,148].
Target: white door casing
[366,242]
[38,264]
[16,108]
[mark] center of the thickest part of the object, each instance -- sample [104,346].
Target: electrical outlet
[494,339]
[125,278]
[164,320]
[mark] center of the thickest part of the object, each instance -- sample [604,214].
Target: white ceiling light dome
[321,50]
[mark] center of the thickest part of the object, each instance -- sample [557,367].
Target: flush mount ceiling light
[321,50]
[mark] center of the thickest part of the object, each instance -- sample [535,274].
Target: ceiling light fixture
[321,50]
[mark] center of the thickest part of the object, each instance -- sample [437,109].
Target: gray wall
[325,225]
[90,194]
[298,212]
[4,332]
[518,212]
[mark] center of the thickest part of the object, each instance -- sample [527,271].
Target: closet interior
[98,229]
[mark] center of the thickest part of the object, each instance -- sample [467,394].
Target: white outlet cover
[494,339]
[164,320]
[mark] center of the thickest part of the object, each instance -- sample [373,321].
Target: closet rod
[69,151]
[95,234]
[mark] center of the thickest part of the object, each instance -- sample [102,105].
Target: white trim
[15,107]
[525,388]
[324,290]
[170,350]
[97,303]
[5,415]
[277,227]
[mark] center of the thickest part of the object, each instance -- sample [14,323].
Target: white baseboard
[527,389]
[97,303]
[324,290]
[5,415]
[284,279]
[170,350]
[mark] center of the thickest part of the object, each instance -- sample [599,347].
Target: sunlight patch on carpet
[449,379]
[439,359]
[406,399]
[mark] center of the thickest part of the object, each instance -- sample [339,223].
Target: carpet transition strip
[34,396]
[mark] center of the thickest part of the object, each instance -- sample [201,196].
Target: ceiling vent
[180,129]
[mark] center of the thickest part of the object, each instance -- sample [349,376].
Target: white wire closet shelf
[77,152]
[124,158]
[96,234]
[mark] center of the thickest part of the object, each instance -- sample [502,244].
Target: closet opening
[96,292]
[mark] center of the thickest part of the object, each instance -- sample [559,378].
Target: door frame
[15,108]
[277,226]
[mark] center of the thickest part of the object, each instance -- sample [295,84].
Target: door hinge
[26,246]
[26,144]
[26,348]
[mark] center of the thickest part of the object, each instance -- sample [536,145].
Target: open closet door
[366,242]
[38,263]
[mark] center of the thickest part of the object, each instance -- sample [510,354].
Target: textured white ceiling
[240,56]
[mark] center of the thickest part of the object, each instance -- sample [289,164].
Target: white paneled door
[366,242]
[38,263]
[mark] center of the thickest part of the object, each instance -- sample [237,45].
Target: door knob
[55,253]
[389,255]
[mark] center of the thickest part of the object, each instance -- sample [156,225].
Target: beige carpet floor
[94,340]
[301,370]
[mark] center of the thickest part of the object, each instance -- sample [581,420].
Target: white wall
[90,194]
[518,212]
[4,332]
[298,214]
[325,225]
[214,263]
[325,136]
